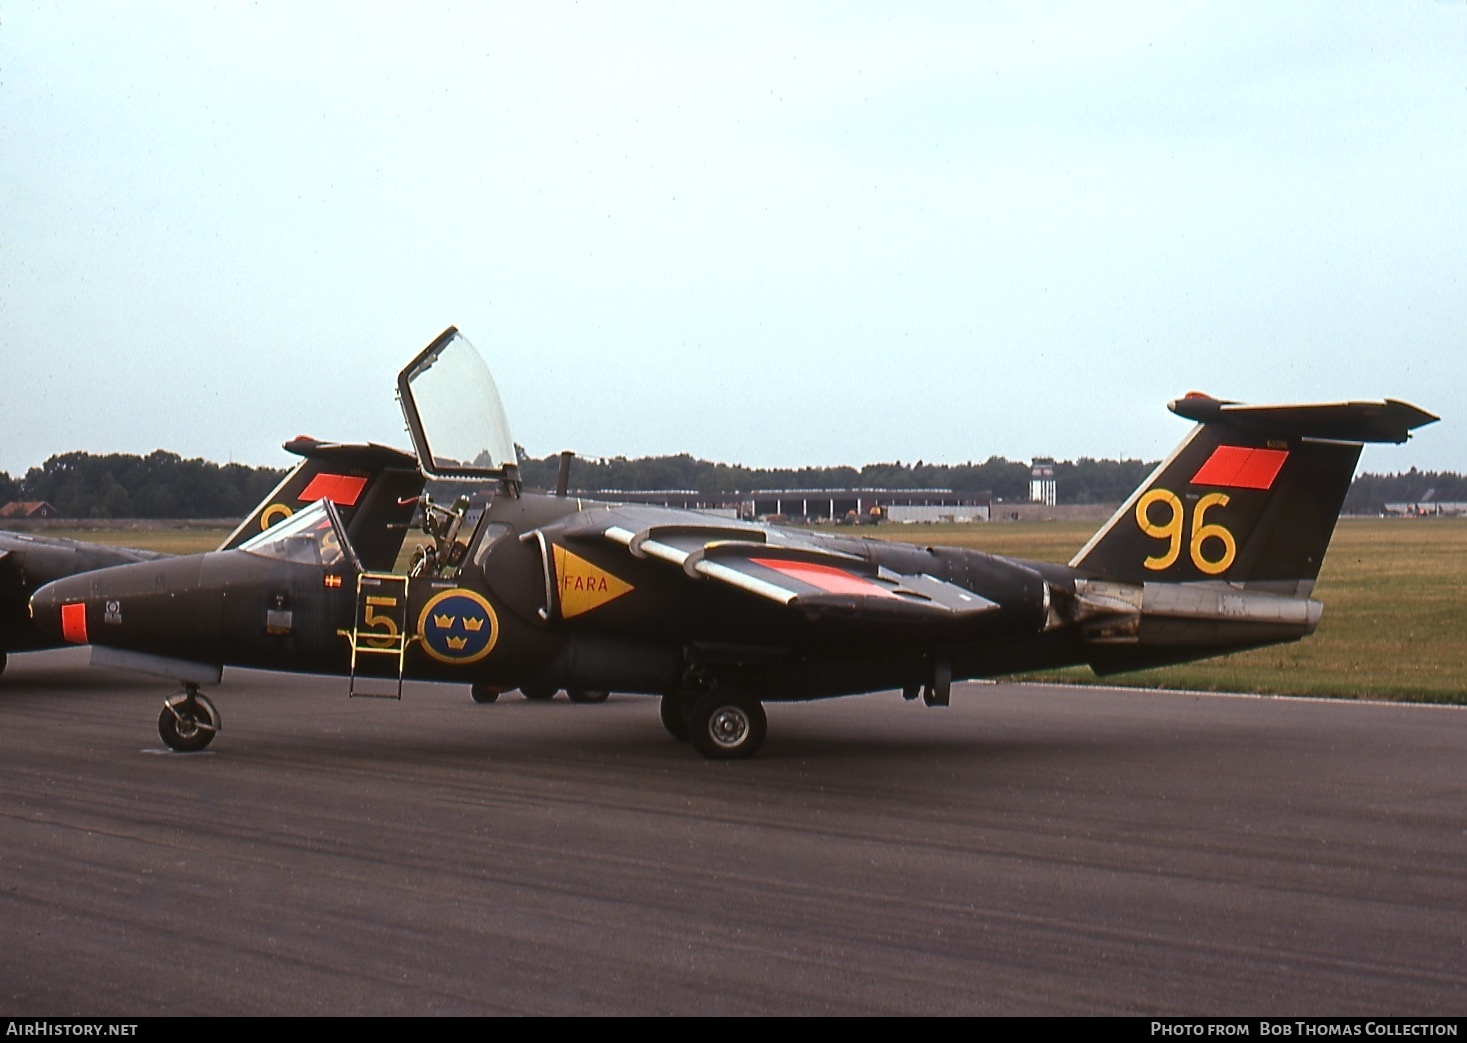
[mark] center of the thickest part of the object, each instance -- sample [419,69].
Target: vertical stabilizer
[1250,497]
[375,489]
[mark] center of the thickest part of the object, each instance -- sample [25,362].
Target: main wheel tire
[538,693]
[484,693]
[727,727]
[2,662]
[587,695]
[674,710]
[188,723]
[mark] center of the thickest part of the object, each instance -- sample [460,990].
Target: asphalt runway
[1031,849]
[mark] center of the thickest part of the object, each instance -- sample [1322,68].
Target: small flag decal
[1237,467]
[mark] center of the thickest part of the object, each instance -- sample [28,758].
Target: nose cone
[59,609]
[141,607]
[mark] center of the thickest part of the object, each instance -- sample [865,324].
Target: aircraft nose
[167,607]
[59,609]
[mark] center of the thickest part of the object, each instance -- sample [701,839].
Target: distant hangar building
[855,505]
[894,505]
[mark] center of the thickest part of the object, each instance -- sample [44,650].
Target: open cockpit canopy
[453,411]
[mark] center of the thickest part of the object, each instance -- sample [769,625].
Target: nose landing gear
[189,721]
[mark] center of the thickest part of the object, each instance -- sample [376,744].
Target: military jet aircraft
[1216,552]
[375,489]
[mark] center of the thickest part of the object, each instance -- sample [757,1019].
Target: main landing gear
[189,721]
[720,727]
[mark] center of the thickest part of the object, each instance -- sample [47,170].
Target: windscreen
[454,413]
[312,537]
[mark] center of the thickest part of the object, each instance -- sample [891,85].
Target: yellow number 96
[1171,528]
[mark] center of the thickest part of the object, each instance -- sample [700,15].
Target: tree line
[159,485]
[165,485]
[1369,493]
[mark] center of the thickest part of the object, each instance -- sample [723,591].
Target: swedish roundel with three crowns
[458,626]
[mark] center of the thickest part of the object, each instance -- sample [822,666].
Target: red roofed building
[29,509]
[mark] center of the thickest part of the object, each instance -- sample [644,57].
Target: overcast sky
[775,234]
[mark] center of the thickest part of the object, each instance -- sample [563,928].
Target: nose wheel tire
[727,727]
[587,695]
[188,722]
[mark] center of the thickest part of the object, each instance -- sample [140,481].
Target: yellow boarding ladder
[380,626]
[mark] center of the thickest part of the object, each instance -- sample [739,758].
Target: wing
[800,574]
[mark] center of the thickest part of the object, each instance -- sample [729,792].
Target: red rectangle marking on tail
[338,488]
[1237,467]
[74,623]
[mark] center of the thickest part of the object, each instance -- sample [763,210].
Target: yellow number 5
[376,619]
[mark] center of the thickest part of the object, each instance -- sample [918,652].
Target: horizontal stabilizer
[352,454]
[1387,421]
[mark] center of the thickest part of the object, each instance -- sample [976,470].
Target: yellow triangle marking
[584,586]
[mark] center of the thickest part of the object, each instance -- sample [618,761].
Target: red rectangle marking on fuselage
[74,623]
[338,488]
[1238,467]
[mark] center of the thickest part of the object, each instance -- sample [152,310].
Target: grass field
[160,537]
[1394,592]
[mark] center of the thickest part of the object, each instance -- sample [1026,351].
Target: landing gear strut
[189,721]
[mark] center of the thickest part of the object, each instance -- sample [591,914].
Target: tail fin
[375,489]
[1250,497]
